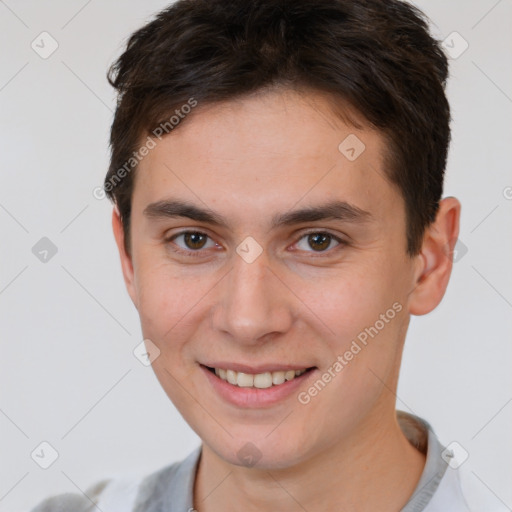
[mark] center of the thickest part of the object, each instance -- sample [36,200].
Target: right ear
[126,260]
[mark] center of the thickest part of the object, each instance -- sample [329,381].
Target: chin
[262,453]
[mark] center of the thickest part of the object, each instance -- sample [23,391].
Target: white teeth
[232,376]
[277,378]
[263,380]
[289,375]
[245,380]
[260,380]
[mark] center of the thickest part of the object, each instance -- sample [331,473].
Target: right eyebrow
[175,208]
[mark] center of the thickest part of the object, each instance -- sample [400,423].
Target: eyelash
[198,252]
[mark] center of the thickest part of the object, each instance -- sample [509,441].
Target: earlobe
[126,259]
[436,258]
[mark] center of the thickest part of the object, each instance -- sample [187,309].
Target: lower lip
[255,397]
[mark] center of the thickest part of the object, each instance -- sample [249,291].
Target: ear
[126,260]
[434,263]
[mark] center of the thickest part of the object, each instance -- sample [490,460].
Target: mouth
[256,387]
[263,380]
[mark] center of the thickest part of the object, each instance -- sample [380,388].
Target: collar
[171,489]
[421,435]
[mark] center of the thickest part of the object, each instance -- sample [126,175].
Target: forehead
[265,153]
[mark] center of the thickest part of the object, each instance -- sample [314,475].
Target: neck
[375,468]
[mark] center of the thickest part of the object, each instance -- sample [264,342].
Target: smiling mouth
[258,380]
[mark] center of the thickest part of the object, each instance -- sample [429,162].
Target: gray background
[68,328]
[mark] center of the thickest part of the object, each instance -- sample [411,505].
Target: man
[277,174]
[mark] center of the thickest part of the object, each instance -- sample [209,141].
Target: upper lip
[255,369]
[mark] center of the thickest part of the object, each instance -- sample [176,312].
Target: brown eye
[195,240]
[317,242]
[191,242]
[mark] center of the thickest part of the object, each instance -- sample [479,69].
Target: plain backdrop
[68,376]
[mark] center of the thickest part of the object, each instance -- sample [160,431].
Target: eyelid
[190,252]
[341,241]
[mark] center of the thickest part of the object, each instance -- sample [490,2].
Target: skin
[248,160]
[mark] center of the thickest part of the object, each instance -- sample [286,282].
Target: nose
[253,302]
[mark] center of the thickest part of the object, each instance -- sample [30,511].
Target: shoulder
[169,487]
[479,495]
[129,493]
[118,494]
[459,491]
[448,482]
[73,502]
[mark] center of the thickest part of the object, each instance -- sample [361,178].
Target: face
[260,245]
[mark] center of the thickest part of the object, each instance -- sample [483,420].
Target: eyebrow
[332,210]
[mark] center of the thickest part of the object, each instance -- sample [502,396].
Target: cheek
[165,302]
[360,319]
[173,305]
[346,303]
[355,377]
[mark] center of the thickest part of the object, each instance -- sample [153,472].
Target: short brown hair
[377,55]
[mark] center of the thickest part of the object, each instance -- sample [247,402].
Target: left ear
[436,258]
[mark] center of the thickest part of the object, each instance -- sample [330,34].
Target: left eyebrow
[337,210]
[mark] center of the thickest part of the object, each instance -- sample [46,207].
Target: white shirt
[442,487]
